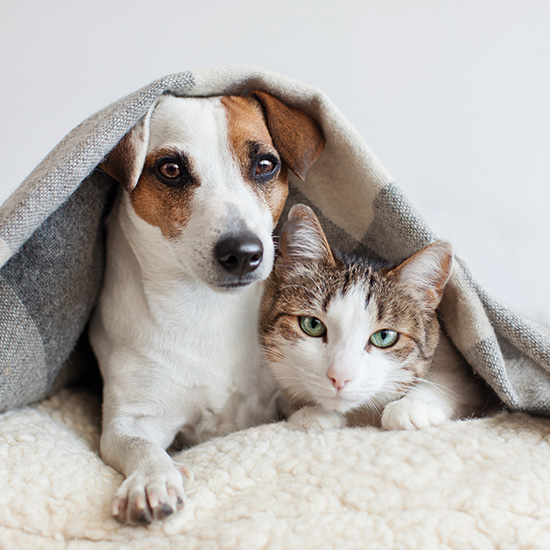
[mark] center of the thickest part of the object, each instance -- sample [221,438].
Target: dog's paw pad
[316,418]
[144,498]
[412,414]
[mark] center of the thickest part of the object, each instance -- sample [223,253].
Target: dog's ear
[125,162]
[298,137]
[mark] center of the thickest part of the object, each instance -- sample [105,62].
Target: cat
[342,334]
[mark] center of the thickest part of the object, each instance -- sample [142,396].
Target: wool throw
[52,244]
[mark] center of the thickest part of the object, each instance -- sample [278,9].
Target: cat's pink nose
[338,381]
[340,376]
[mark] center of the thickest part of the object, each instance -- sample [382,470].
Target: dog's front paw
[316,418]
[412,413]
[145,497]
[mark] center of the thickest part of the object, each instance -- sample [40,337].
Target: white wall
[454,97]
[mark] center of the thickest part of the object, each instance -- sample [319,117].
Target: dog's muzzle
[239,254]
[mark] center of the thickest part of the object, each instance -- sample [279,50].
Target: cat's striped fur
[352,304]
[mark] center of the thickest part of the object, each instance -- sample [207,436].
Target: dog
[203,182]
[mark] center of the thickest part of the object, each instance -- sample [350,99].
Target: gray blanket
[52,245]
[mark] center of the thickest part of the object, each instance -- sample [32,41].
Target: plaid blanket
[52,245]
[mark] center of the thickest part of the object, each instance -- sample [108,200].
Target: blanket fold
[52,243]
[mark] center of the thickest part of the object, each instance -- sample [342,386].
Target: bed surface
[479,483]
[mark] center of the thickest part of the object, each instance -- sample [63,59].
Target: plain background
[453,97]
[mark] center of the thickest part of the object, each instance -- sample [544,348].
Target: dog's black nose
[240,254]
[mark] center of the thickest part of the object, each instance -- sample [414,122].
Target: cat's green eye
[384,338]
[313,326]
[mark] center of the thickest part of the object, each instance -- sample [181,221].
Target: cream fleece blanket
[476,484]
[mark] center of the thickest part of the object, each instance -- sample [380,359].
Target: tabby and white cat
[343,334]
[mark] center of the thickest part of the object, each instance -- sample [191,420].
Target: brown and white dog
[189,244]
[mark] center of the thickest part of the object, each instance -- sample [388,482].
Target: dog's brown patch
[164,206]
[248,135]
[297,136]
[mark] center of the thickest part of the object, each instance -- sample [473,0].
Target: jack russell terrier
[204,181]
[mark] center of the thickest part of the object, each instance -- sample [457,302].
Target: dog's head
[211,175]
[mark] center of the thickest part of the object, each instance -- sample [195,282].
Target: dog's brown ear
[298,137]
[125,162]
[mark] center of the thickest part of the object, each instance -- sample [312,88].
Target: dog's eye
[170,170]
[266,167]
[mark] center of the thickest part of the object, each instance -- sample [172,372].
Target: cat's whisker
[274,357]
[444,390]
[274,353]
[371,405]
[288,378]
[299,394]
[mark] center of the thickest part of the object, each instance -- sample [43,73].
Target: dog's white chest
[204,358]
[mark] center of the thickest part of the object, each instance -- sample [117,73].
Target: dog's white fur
[174,350]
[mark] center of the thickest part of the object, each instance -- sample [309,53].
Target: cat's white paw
[412,413]
[316,418]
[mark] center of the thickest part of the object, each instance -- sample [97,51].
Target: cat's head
[343,332]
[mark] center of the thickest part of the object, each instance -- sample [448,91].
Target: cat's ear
[427,271]
[303,239]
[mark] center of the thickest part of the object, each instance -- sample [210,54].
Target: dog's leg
[153,488]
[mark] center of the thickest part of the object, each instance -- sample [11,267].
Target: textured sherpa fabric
[476,484]
[51,243]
